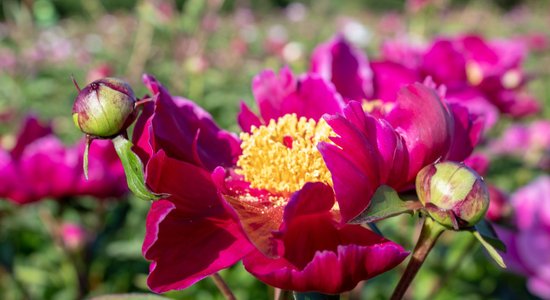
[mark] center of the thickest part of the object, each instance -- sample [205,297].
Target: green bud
[453,194]
[104,108]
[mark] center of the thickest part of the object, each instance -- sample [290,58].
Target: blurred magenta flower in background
[530,141]
[39,166]
[240,215]
[484,76]
[528,245]
[73,235]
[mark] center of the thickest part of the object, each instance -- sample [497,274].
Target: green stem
[431,231]
[223,287]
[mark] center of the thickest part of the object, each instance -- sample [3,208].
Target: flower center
[282,156]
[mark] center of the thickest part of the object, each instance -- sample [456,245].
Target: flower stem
[431,230]
[223,287]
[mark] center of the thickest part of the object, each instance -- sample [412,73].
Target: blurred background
[78,244]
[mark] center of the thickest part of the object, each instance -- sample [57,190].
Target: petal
[247,118]
[185,248]
[319,255]
[425,124]
[445,63]
[307,95]
[346,67]
[477,104]
[271,89]
[191,234]
[187,132]
[468,130]
[390,78]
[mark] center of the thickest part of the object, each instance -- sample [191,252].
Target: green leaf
[385,203]
[486,230]
[490,249]
[134,170]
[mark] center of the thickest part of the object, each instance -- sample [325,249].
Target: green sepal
[490,249]
[486,230]
[134,170]
[86,154]
[385,203]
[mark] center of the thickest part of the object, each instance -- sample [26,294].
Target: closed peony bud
[453,194]
[104,108]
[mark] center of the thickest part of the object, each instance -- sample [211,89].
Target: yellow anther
[282,156]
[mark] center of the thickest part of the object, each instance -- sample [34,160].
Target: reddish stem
[431,231]
[223,287]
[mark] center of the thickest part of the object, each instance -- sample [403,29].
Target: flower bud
[104,108]
[453,194]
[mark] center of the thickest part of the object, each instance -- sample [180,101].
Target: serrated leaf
[489,234]
[384,203]
[490,249]
[134,170]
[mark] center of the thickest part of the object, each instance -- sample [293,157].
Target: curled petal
[425,124]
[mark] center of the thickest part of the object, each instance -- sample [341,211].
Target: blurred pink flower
[528,141]
[98,72]
[73,236]
[529,245]
[39,166]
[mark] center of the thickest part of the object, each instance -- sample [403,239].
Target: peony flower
[39,166]
[267,199]
[527,248]
[443,63]
[492,67]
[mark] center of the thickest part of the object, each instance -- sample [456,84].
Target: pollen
[282,156]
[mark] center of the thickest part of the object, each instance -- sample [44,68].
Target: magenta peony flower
[39,166]
[527,248]
[266,199]
[492,67]
[445,63]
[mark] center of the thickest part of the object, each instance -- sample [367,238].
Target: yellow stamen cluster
[282,156]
